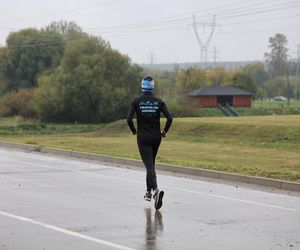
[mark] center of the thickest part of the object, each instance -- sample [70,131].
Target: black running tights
[148,151]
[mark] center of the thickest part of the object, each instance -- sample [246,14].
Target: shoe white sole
[147,199]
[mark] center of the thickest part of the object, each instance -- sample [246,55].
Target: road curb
[260,181]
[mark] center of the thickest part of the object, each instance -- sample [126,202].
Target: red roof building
[210,97]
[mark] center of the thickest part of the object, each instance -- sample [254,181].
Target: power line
[58,41]
[176,27]
[261,20]
[167,25]
[54,40]
[261,11]
[171,18]
[175,22]
[163,20]
[245,9]
[146,29]
[254,7]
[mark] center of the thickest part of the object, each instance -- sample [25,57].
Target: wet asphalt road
[49,202]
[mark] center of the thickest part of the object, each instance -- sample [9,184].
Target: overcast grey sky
[163,26]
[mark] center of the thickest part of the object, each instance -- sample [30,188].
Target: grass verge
[258,146]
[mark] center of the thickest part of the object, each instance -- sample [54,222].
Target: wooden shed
[210,97]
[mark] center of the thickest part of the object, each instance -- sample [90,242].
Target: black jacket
[147,109]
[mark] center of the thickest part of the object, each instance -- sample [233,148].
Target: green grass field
[276,104]
[267,146]
[271,108]
[258,108]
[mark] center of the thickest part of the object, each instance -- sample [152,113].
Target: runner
[147,109]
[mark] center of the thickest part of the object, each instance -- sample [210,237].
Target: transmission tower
[216,54]
[204,44]
[298,60]
[152,58]
[297,70]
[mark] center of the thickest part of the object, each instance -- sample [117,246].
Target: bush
[180,109]
[17,104]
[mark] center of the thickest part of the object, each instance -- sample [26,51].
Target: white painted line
[177,189]
[65,231]
[203,193]
[238,200]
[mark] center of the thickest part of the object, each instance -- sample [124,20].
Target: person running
[148,109]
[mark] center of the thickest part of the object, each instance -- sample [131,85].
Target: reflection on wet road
[154,227]
[56,203]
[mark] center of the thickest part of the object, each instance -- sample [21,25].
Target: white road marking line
[178,189]
[238,200]
[208,194]
[65,231]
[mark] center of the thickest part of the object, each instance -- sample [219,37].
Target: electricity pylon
[204,44]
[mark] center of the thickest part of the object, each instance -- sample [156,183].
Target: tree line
[277,75]
[62,74]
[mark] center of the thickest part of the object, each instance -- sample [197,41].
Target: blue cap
[147,85]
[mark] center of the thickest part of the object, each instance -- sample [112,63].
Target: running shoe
[148,196]
[158,197]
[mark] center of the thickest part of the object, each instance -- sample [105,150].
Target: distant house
[210,97]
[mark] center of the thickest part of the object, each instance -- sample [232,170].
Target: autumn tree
[277,58]
[188,79]
[257,71]
[244,81]
[70,31]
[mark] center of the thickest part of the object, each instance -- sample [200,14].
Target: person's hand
[163,133]
[133,133]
